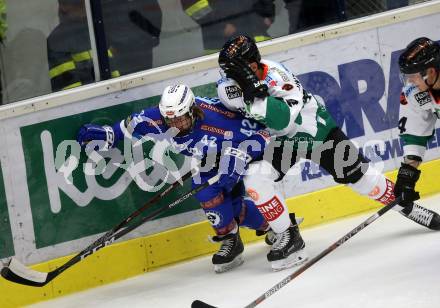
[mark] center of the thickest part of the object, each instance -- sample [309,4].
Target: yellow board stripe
[149,253]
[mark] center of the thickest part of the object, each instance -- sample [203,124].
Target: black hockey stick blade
[200,304]
[19,273]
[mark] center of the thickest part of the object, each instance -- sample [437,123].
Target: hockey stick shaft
[282,283]
[109,240]
[18,273]
[156,197]
[117,233]
[161,210]
[325,252]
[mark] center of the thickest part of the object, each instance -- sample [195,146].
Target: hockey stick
[282,283]
[151,201]
[19,273]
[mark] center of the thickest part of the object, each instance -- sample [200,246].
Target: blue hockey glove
[232,167]
[100,137]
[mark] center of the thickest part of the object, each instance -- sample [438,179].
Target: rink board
[49,208]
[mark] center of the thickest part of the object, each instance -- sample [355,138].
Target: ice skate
[271,237]
[422,216]
[288,249]
[230,253]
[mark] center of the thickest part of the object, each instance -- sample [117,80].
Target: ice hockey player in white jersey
[268,92]
[420,108]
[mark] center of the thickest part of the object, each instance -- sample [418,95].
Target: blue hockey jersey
[220,129]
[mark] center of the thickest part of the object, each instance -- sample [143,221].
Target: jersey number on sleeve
[209,140]
[248,124]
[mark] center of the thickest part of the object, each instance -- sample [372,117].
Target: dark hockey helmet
[419,55]
[241,47]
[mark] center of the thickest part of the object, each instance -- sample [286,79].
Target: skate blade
[221,268]
[294,259]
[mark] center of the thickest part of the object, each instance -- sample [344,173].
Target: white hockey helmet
[176,100]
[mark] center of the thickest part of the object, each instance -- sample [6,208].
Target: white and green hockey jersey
[419,111]
[290,112]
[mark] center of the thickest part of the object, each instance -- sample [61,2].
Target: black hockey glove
[405,184]
[246,79]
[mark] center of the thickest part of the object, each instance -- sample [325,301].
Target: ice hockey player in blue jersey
[206,129]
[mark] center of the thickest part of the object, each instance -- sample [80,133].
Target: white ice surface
[391,263]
